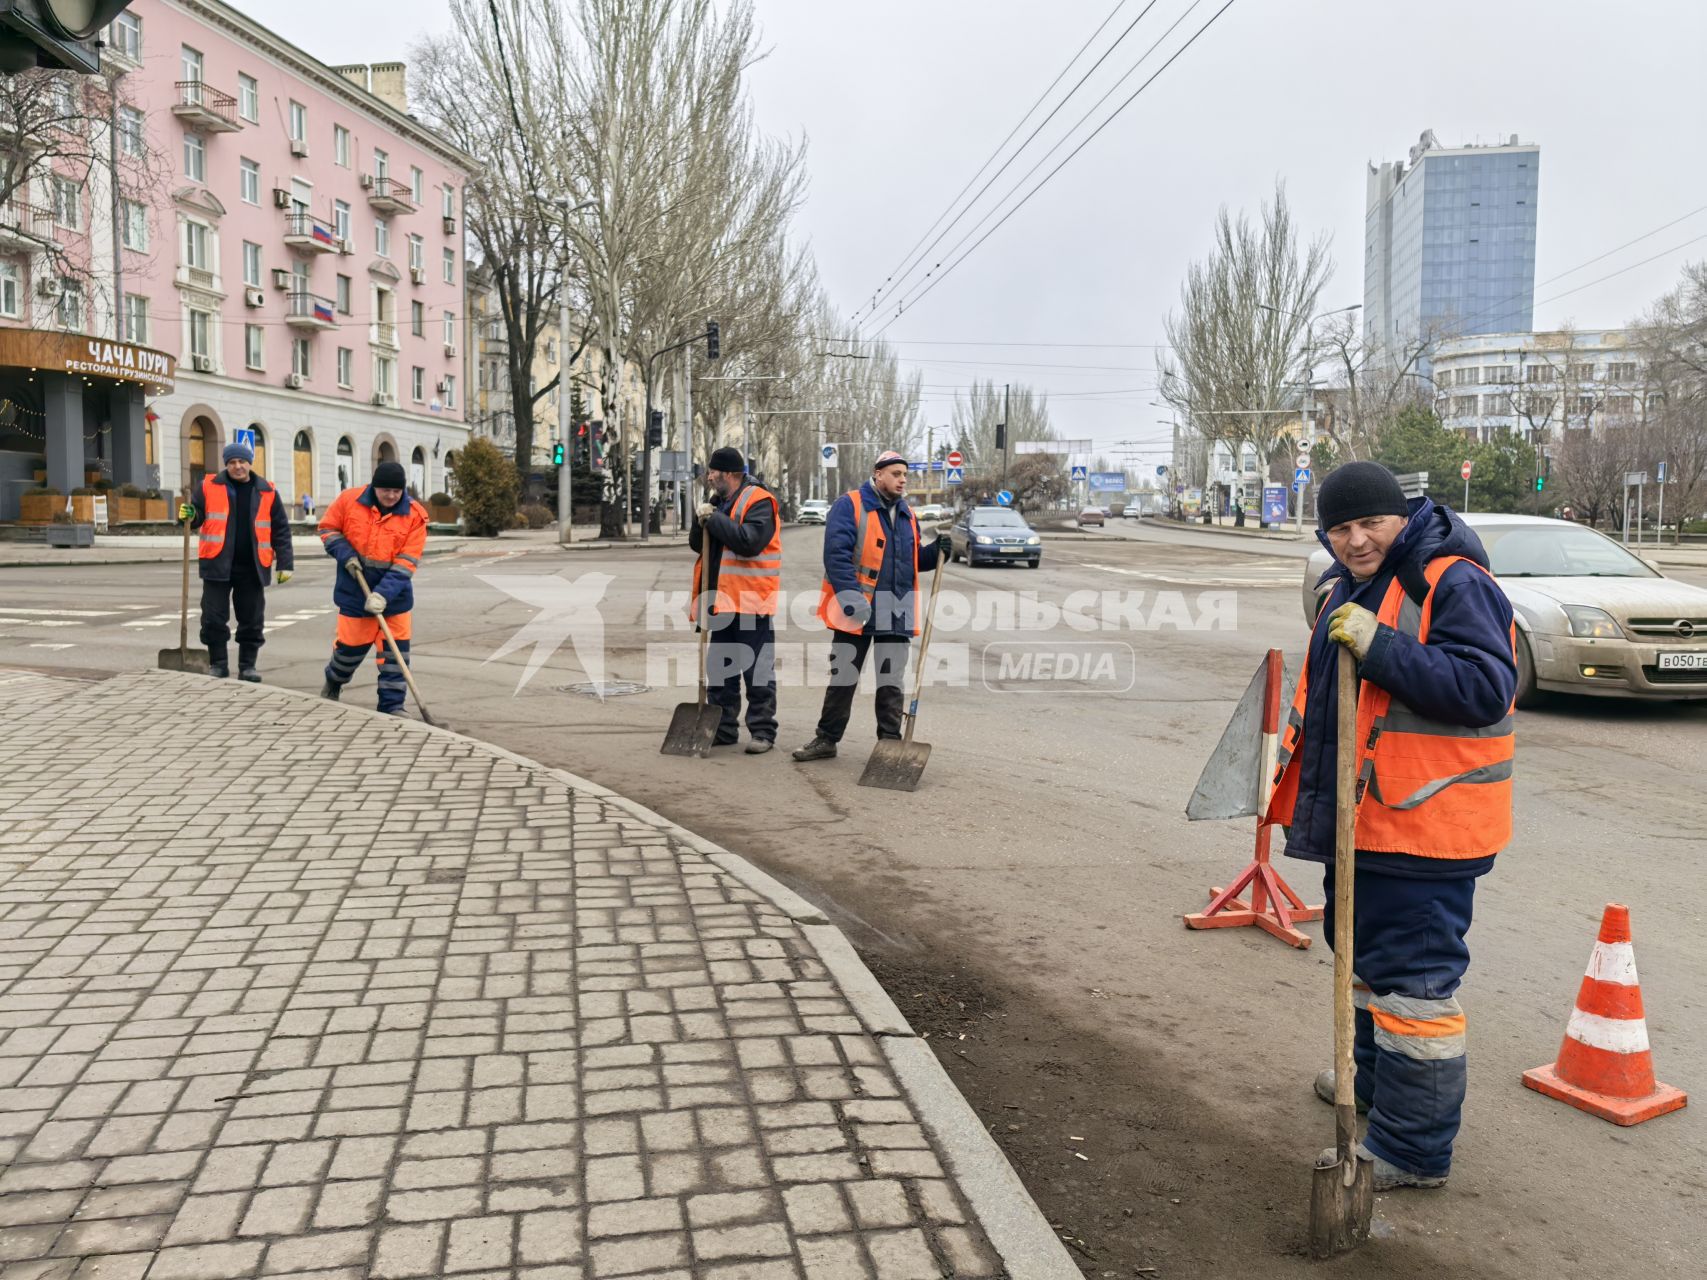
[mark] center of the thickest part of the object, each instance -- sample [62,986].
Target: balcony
[24,225]
[206,109]
[309,235]
[387,195]
[385,334]
[309,311]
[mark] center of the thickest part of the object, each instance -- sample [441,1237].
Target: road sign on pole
[954,459]
[1080,473]
[1005,497]
[243,436]
[954,475]
[1300,477]
[1302,459]
[829,454]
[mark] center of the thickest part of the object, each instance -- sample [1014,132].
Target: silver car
[1591,617]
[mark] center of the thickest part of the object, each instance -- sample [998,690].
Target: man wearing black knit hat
[378,532]
[1411,596]
[739,529]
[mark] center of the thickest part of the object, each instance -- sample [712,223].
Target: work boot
[246,656]
[1325,1091]
[1388,1177]
[817,749]
[250,674]
[395,711]
[219,670]
[330,691]
[758,746]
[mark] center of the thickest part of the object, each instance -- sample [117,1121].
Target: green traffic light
[557,455]
[1540,483]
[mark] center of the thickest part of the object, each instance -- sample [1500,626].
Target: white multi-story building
[1540,384]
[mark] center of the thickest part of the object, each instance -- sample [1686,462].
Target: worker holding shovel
[873,554]
[1429,782]
[377,534]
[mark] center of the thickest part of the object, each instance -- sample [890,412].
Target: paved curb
[1015,1226]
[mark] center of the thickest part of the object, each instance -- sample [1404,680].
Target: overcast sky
[902,100]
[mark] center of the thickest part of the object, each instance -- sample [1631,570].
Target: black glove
[944,544]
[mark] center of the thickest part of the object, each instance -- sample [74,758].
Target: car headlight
[1588,623]
[1034,541]
[984,541]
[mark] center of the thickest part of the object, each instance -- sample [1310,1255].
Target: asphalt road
[1151,1084]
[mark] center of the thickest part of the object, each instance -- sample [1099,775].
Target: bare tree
[1589,469]
[1025,409]
[1367,385]
[1673,338]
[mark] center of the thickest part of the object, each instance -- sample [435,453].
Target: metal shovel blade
[1340,1213]
[692,729]
[896,765]
[190,661]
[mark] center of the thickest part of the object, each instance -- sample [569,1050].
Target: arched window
[302,466]
[260,448]
[418,474]
[346,464]
[196,454]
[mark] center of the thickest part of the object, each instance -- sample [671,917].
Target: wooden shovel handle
[1345,844]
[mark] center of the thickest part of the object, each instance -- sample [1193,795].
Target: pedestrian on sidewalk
[1411,596]
[243,530]
[740,529]
[308,506]
[380,531]
[873,554]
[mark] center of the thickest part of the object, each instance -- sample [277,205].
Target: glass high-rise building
[1449,244]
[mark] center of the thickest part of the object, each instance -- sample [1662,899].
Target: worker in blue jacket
[873,555]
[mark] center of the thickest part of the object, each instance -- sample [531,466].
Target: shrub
[538,515]
[43,491]
[63,517]
[130,491]
[83,491]
[439,500]
[484,482]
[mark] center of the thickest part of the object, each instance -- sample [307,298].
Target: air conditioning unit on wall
[293,381]
[298,147]
[47,287]
[417,274]
[367,182]
[281,278]
[254,298]
[281,198]
[202,364]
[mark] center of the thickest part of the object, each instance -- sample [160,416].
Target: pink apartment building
[293,268]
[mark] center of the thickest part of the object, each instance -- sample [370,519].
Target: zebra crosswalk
[40,627]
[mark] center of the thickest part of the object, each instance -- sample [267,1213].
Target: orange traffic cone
[1605,1066]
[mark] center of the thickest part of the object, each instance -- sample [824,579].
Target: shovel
[396,653]
[181,659]
[897,766]
[694,724]
[1342,1194]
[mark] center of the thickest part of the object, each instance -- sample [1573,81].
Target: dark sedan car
[995,535]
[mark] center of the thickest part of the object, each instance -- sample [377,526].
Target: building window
[418,384]
[450,328]
[248,98]
[551,350]
[340,146]
[447,201]
[136,225]
[1585,405]
[381,163]
[1498,373]
[135,318]
[417,253]
[385,377]
[382,237]
[1620,405]
[1538,373]
[417,319]
[130,131]
[298,122]
[189,63]
[1621,372]
[63,98]
[70,304]
[201,329]
[126,36]
[252,349]
[249,181]
[343,294]
[417,185]
[252,264]
[1582,373]
[195,158]
[195,245]
[450,266]
[67,203]
[450,391]
[299,356]
[346,367]
[10,293]
[341,220]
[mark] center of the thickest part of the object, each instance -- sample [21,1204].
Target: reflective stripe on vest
[869,542]
[1423,787]
[216,505]
[748,585]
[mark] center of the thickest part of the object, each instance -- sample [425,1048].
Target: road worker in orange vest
[740,530]
[874,552]
[243,536]
[382,531]
[1411,596]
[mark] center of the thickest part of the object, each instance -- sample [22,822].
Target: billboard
[1108,482]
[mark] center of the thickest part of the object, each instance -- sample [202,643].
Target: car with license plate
[1091,515]
[995,535]
[813,511]
[1592,618]
[931,513]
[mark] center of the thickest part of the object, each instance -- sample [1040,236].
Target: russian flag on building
[321,232]
[323,311]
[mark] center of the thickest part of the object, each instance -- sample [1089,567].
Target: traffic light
[59,34]
[1540,483]
[713,340]
[580,444]
[596,442]
[1001,435]
[557,454]
[655,429]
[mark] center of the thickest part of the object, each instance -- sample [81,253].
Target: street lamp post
[566,468]
[1309,384]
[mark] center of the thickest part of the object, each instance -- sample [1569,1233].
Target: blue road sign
[1005,497]
[1300,477]
[1660,473]
[244,436]
[956,475]
[1080,473]
[1161,471]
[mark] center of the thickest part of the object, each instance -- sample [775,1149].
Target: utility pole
[1005,431]
[566,468]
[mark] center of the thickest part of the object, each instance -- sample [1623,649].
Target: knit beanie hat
[1357,490]
[727,459]
[240,451]
[888,458]
[389,475]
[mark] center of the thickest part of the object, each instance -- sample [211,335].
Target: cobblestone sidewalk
[287,988]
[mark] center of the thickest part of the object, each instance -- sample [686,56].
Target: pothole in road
[604,688]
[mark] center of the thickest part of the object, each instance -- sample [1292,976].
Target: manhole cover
[605,688]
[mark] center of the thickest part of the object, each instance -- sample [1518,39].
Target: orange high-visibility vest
[869,540]
[1424,788]
[746,585]
[210,538]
